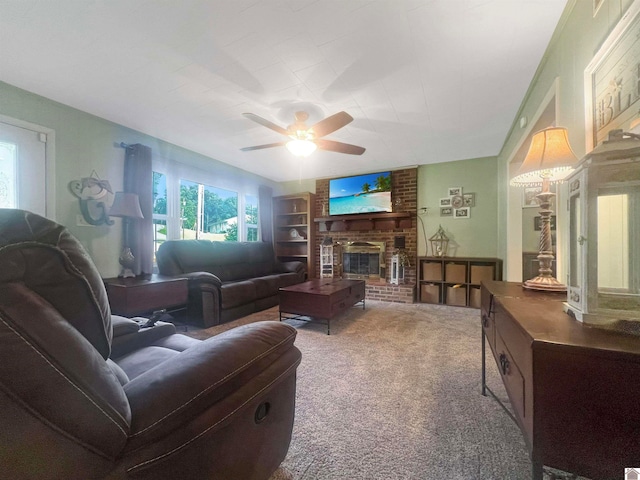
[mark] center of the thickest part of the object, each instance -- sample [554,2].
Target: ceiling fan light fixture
[301,148]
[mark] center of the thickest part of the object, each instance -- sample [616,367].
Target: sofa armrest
[205,293]
[202,279]
[291,267]
[184,387]
[123,326]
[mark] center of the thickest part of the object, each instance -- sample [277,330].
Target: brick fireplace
[363,260]
[404,196]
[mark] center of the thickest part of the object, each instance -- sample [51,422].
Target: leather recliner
[84,394]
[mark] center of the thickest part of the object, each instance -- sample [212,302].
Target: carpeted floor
[394,393]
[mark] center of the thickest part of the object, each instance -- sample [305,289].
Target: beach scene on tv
[360,194]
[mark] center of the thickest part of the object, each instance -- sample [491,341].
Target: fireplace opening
[363,260]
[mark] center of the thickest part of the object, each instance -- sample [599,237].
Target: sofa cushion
[288,279]
[238,293]
[267,286]
[261,258]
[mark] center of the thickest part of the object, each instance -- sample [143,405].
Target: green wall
[576,41]
[472,237]
[85,143]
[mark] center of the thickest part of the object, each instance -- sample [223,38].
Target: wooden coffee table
[321,298]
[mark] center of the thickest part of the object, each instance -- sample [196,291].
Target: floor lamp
[549,160]
[127,206]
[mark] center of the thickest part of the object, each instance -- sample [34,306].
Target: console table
[148,293]
[574,389]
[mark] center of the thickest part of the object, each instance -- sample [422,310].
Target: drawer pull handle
[485,320]
[504,363]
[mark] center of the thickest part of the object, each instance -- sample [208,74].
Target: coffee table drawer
[351,296]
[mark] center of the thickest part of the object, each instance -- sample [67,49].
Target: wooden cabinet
[294,230]
[455,281]
[573,388]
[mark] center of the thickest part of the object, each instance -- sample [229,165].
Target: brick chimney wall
[404,196]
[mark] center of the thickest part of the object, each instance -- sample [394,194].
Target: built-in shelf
[294,235]
[364,221]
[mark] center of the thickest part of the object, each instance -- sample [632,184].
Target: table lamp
[549,160]
[127,206]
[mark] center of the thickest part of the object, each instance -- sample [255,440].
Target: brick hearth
[405,188]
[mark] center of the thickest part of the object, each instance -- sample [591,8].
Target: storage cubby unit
[294,231]
[455,281]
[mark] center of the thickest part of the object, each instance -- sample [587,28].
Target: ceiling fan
[305,140]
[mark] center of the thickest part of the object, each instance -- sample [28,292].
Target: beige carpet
[394,393]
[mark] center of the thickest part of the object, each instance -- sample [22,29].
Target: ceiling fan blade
[266,123]
[331,124]
[339,147]
[260,147]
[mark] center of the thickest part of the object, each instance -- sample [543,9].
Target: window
[208,213]
[159,210]
[188,203]
[251,217]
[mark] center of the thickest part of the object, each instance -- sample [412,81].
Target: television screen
[360,194]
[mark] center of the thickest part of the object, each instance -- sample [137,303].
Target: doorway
[26,170]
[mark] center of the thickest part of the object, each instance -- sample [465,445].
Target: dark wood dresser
[574,389]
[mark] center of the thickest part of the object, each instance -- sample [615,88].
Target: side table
[148,293]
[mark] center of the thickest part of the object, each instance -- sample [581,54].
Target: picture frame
[469,199]
[529,197]
[464,212]
[610,79]
[446,211]
[454,191]
[445,202]
[537,223]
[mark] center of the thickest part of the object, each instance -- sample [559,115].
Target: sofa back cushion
[46,258]
[229,261]
[55,334]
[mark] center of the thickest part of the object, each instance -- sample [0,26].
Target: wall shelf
[364,221]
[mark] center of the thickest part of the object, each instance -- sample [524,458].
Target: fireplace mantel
[364,222]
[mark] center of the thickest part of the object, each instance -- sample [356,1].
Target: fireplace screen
[363,260]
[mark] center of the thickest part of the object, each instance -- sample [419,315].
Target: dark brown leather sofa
[227,280]
[87,395]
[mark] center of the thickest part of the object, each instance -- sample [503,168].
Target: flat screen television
[366,193]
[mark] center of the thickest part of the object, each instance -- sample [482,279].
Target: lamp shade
[550,157]
[301,148]
[126,204]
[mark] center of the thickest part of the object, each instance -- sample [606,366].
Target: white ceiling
[426,81]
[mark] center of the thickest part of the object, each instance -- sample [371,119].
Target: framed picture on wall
[455,191]
[529,196]
[445,202]
[464,212]
[611,79]
[469,199]
[446,211]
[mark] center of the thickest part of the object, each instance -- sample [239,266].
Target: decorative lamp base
[126,273]
[546,284]
[127,261]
